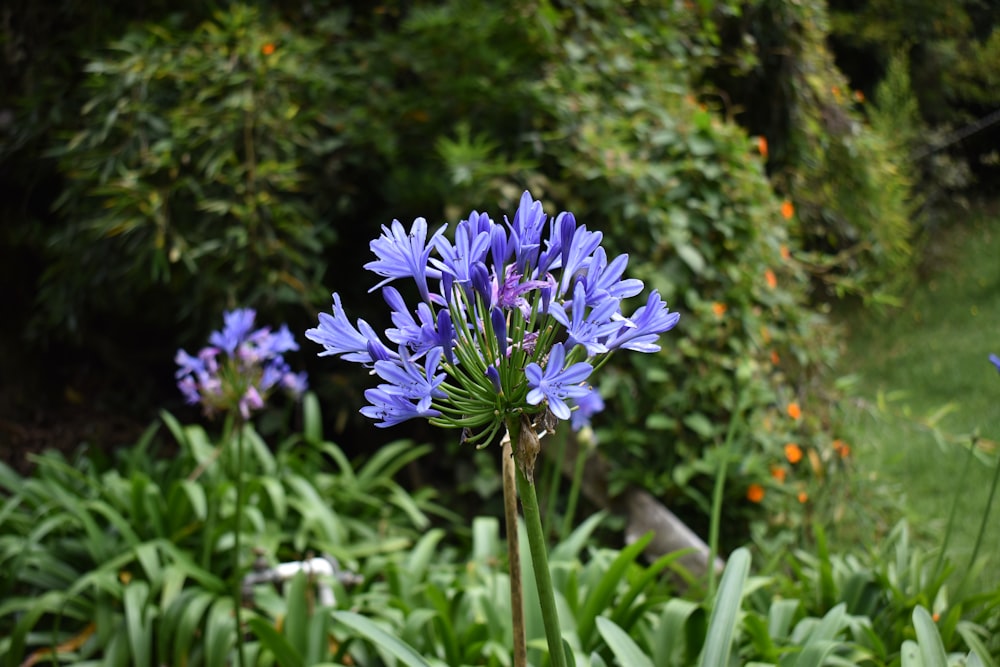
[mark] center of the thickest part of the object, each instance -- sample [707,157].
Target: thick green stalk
[238,581]
[540,564]
[514,555]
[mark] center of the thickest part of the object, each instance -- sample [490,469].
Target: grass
[925,386]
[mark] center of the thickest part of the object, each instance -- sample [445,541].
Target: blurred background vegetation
[760,161]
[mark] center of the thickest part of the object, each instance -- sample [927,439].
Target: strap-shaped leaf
[373,633]
[626,651]
[931,647]
[273,641]
[725,611]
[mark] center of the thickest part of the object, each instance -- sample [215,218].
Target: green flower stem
[514,555]
[238,583]
[939,563]
[717,495]
[584,443]
[986,514]
[540,565]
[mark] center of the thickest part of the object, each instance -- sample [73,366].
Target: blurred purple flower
[240,368]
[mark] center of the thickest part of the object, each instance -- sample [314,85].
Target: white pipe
[324,567]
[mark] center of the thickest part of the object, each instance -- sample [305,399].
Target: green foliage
[127,565]
[951,46]
[189,170]
[850,183]
[881,589]
[128,560]
[682,192]
[429,108]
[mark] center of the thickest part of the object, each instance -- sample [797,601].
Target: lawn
[926,389]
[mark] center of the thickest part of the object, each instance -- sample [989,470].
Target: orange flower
[787,210]
[778,473]
[859,97]
[755,493]
[836,92]
[785,254]
[718,308]
[267,49]
[775,359]
[793,453]
[803,497]
[842,448]
[769,276]
[794,411]
[762,147]
[935,617]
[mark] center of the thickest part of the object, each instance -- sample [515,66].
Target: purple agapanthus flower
[643,329]
[241,367]
[338,336]
[995,360]
[589,328]
[585,407]
[482,346]
[555,383]
[404,255]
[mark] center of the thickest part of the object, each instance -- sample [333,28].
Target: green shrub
[684,194]
[194,172]
[851,183]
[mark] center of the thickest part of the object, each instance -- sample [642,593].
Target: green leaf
[624,608]
[626,651]
[319,638]
[569,549]
[932,652]
[137,627]
[312,418]
[175,428]
[691,257]
[909,654]
[486,543]
[272,640]
[191,612]
[295,627]
[446,629]
[388,460]
[379,637]
[196,496]
[780,616]
[725,611]
[700,424]
[146,554]
[220,632]
[599,598]
[831,624]
[669,643]
[815,652]
[972,640]
[423,553]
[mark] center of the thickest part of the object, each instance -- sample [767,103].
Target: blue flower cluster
[511,320]
[240,367]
